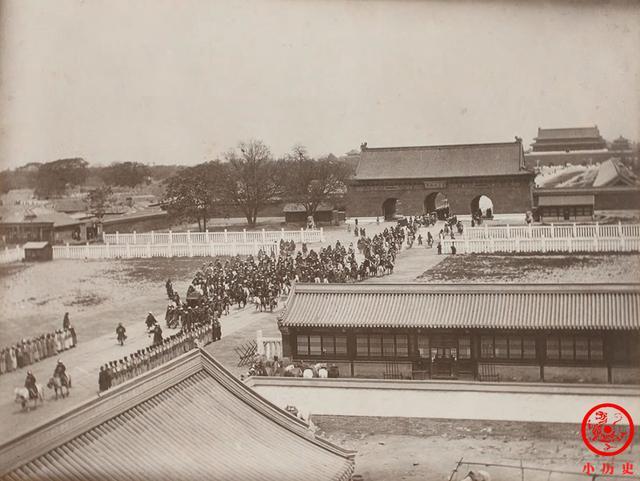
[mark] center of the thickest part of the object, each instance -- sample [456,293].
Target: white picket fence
[243,237]
[542,244]
[135,251]
[563,231]
[11,255]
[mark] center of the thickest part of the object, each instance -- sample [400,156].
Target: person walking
[121,333]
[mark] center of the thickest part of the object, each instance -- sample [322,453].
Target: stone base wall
[625,375]
[376,370]
[517,373]
[509,195]
[575,374]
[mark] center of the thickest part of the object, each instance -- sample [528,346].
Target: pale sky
[183,81]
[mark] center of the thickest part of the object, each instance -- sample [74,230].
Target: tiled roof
[506,306]
[189,419]
[439,161]
[568,133]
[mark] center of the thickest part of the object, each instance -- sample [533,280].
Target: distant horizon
[181,85]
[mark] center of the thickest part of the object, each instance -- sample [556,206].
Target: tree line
[55,178]
[246,178]
[249,178]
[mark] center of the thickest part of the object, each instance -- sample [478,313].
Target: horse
[477,476]
[57,384]
[22,396]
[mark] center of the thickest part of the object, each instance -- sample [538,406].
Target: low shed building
[38,251]
[502,332]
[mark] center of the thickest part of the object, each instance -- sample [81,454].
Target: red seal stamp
[607,429]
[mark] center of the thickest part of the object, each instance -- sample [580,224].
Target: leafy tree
[126,174]
[194,193]
[311,182]
[99,200]
[252,178]
[53,178]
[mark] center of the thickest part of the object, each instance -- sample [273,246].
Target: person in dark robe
[121,332]
[150,321]
[74,336]
[66,323]
[169,287]
[157,335]
[30,384]
[104,379]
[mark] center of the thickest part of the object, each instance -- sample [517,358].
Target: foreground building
[414,180]
[189,419]
[501,332]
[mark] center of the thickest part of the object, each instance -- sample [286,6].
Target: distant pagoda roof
[573,138]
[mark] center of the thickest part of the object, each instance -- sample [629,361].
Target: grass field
[535,268]
[34,297]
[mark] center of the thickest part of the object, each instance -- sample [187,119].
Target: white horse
[57,384]
[479,475]
[22,396]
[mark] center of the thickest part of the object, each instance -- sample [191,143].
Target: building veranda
[487,332]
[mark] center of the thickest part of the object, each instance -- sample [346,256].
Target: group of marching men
[143,360]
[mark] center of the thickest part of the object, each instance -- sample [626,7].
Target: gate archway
[482,206]
[437,202]
[389,208]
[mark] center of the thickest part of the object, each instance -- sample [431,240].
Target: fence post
[170,237]
[117,238]
[225,236]
[134,237]
[575,231]
[486,231]
[322,235]
[597,230]
[553,230]
[244,235]
[259,342]
[620,228]
[530,229]
[282,233]
[153,237]
[263,236]
[508,232]
[68,251]
[301,234]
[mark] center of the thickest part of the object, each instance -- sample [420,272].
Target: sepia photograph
[341,240]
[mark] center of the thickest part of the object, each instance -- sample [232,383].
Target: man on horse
[30,384]
[61,373]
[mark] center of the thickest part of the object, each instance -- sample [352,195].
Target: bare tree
[252,178]
[311,182]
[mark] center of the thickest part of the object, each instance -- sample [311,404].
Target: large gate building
[413,180]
